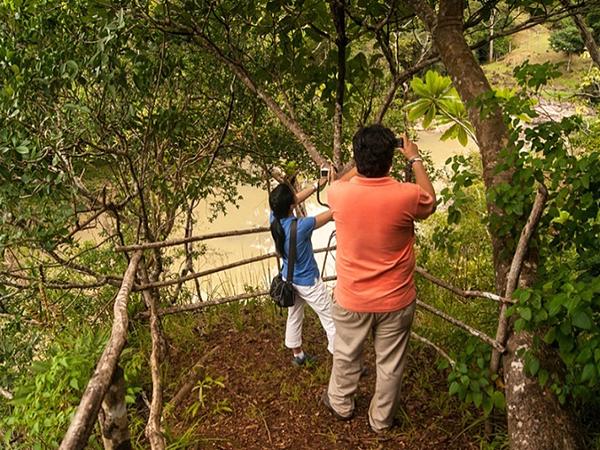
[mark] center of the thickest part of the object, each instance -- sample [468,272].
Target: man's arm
[348,175]
[411,151]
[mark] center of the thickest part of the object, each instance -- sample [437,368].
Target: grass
[533,45]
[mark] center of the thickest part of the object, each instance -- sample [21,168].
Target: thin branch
[33,283]
[474,332]
[223,133]
[190,378]
[199,37]
[172,242]
[341,41]
[201,305]
[435,347]
[195,275]
[400,79]
[516,265]
[16,317]
[153,427]
[458,291]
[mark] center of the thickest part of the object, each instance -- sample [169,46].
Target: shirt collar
[364,181]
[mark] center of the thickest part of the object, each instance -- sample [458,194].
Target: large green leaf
[581,319]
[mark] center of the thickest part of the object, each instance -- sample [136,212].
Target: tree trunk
[113,415]
[341,41]
[586,35]
[535,419]
[471,83]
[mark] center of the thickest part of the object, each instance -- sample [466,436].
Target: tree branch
[153,427]
[462,293]
[435,347]
[83,421]
[474,332]
[512,278]
[172,242]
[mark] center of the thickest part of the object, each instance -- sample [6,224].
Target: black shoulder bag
[282,291]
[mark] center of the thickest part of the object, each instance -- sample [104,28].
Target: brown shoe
[325,401]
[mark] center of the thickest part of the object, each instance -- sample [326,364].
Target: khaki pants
[391,332]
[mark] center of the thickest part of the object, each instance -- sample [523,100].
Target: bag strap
[292,251]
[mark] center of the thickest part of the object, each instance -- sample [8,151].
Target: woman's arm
[307,192]
[322,218]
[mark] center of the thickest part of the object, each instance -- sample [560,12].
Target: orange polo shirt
[375,259]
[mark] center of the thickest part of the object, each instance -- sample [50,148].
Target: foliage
[457,232]
[470,380]
[47,395]
[593,21]
[565,301]
[201,389]
[439,100]
[591,84]
[501,47]
[567,38]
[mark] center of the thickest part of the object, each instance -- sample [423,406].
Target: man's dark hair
[374,150]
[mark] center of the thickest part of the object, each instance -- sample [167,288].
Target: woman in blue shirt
[307,282]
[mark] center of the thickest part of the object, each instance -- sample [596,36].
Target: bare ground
[253,398]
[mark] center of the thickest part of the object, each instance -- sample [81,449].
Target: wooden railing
[87,411]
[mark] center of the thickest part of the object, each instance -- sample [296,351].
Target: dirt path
[261,401]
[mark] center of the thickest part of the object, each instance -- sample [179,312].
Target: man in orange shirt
[375,292]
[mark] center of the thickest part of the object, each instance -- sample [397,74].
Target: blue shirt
[306,271]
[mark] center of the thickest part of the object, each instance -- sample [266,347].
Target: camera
[399,142]
[324,171]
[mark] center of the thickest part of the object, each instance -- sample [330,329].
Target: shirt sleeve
[306,225]
[332,193]
[423,203]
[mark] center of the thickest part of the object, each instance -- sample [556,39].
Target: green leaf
[589,372]
[519,324]
[450,133]
[429,116]
[499,401]
[534,365]
[418,109]
[477,398]
[418,86]
[454,386]
[525,313]
[582,320]
[462,136]
[488,405]
[23,150]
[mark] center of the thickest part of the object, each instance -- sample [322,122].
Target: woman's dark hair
[374,150]
[280,201]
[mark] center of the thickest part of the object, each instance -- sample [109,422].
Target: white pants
[318,299]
